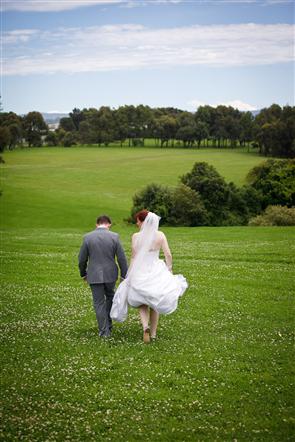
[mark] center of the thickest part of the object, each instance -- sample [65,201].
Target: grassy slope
[37,183]
[222,368]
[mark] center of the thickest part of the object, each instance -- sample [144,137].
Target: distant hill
[255,112]
[53,117]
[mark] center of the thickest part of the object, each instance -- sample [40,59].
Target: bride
[150,284]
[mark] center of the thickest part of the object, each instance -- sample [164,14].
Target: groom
[98,267]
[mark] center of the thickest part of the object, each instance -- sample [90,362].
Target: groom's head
[103,221]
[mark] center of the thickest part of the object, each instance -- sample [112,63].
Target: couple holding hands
[148,284]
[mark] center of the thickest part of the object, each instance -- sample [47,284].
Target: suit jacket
[97,257]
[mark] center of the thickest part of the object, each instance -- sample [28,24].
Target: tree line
[272,130]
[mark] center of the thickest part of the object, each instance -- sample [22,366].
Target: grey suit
[97,262]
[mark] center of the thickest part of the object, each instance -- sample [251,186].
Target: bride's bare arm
[166,251]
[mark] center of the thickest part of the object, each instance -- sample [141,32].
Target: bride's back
[156,244]
[160,242]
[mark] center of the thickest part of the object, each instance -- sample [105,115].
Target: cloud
[140,3]
[61,5]
[253,2]
[18,36]
[276,2]
[131,46]
[52,5]
[236,104]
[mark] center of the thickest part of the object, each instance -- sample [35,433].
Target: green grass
[38,182]
[222,368]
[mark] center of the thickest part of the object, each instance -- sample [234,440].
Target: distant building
[53,126]
[52,119]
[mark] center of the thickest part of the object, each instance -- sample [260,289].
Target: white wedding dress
[149,281]
[156,286]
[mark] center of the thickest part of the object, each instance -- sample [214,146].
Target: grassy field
[222,368]
[38,182]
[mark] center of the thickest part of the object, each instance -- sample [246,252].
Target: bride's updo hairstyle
[141,215]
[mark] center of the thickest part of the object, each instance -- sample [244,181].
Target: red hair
[141,215]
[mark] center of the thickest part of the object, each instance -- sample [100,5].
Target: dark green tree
[187,134]
[87,134]
[77,117]
[187,208]
[15,130]
[232,125]
[67,124]
[207,115]
[213,189]
[14,124]
[121,125]
[4,137]
[275,131]
[51,139]
[246,128]
[155,198]
[275,180]
[69,139]
[186,129]
[60,133]
[143,121]
[219,131]
[105,126]
[34,128]
[201,131]
[165,129]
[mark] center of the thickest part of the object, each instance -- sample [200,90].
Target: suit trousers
[102,302]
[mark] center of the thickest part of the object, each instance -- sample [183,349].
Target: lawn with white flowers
[222,368]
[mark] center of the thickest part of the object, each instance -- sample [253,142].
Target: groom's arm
[121,258]
[83,259]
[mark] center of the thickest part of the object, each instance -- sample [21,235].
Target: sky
[60,54]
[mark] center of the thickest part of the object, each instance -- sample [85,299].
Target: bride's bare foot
[146,335]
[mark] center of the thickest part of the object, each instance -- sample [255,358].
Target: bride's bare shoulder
[135,235]
[161,235]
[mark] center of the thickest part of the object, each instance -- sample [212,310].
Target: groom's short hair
[103,219]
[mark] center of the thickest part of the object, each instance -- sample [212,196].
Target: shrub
[187,208]
[275,180]
[155,198]
[180,206]
[243,203]
[35,139]
[202,199]
[69,139]
[275,216]
[225,203]
[252,199]
[51,139]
